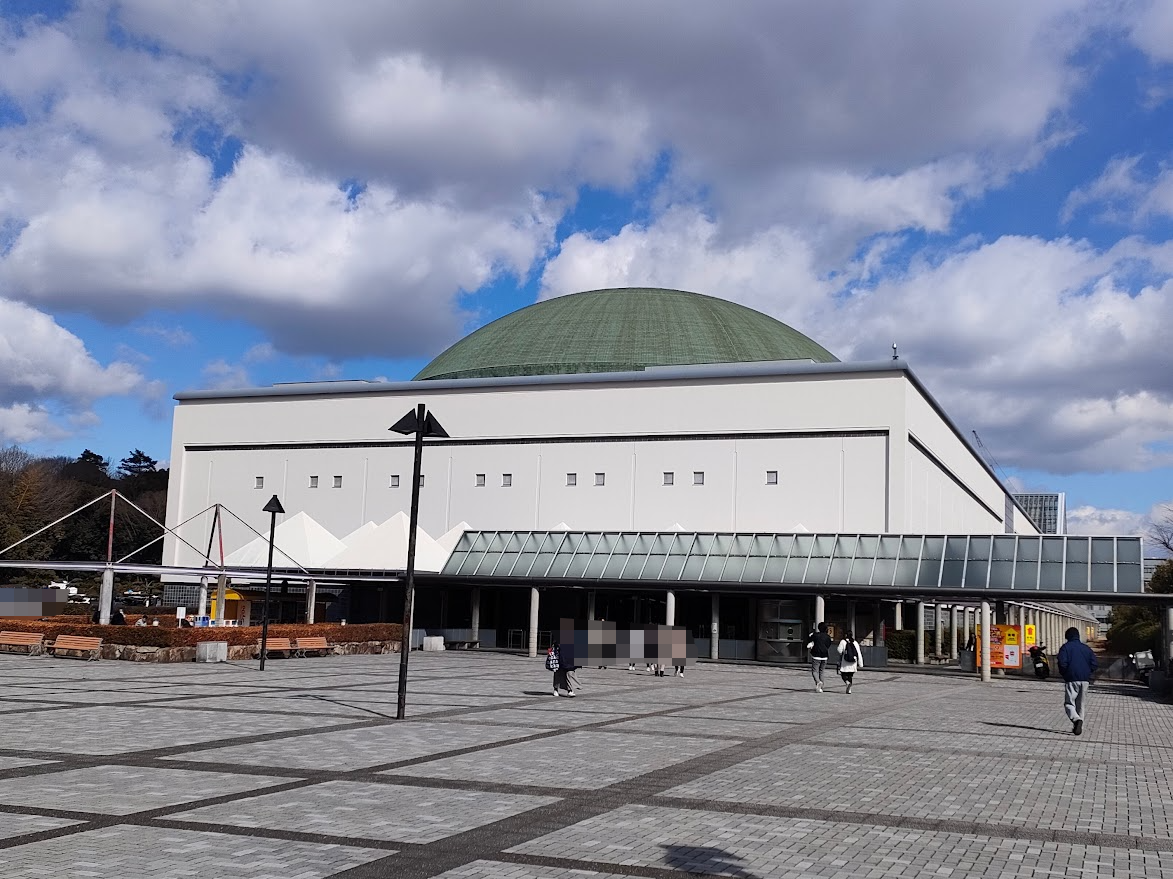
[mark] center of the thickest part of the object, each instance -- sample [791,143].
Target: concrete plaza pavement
[114,769]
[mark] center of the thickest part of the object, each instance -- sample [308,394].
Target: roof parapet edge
[656,373]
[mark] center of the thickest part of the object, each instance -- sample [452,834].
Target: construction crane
[989,456]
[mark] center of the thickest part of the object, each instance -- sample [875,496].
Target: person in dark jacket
[1077,664]
[819,644]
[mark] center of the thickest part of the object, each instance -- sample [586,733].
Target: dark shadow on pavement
[1135,689]
[1021,726]
[342,704]
[706,861]
[536,693]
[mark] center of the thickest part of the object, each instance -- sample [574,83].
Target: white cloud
[1124,193]
[40,359]
[42,363]
[24,423]
[683,249]
[259,353]
[1095,520]
[176,337]
[222,375]
[1152,30]
[471,138]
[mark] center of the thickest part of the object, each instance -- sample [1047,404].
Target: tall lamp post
[273,507]
[421,423]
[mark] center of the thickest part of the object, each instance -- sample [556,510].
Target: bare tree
[1161,528]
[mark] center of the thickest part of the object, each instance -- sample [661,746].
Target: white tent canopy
[448,540]
[299,540]
[385,548]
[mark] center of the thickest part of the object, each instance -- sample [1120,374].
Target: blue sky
[227,195]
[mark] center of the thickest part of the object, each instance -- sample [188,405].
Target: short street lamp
[421,423]
[273,507]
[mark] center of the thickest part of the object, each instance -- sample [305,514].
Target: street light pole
[273,507]
[422,424]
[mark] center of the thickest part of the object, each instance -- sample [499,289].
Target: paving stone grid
[118,770]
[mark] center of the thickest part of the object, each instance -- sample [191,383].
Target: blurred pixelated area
[599,642]
[19,601]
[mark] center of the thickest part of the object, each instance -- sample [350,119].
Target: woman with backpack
[850,658]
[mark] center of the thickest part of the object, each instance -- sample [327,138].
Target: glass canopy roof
[923,562]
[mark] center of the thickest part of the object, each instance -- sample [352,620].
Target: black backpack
[849,654]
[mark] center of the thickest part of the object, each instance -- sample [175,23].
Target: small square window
[480,480]
[506,479]
[572,479]
[669,477]
[313,482]
[421,480]
[338,482]
[698,477]
[394,483]
[771,477]
[600,479]
[260,482]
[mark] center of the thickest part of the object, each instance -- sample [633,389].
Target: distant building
[1047,509]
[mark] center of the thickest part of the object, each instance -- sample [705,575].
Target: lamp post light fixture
[421,423]
[273,507]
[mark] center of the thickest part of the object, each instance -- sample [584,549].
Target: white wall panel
[828,479]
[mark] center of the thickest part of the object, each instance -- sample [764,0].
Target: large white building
[614,410]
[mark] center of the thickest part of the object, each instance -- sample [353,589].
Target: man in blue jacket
[1077,663]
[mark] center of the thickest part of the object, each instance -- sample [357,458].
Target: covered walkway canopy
[936,565]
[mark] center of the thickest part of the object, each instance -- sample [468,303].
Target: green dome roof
[622,330]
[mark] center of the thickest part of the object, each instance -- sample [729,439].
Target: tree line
[36,491]
[1132,628]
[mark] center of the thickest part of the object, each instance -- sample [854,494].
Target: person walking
[560,660]
[819,644]
[1077,664]
[850,659]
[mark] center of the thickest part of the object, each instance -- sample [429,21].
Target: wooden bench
[32,643]
[77,644]
[276,645]
[301,645]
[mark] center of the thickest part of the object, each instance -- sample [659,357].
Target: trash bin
[212,651]
[967,659]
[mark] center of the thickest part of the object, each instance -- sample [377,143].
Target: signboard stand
[1006,646]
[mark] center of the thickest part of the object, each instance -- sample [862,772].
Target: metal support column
[476,613]
[670,609]
[105,597]
[985,641]
[221,597]
[311,600]
[533,621]
[920,633]
[953,632]
[715,627]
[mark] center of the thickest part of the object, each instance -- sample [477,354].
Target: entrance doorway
[782,631]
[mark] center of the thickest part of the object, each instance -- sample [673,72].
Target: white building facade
[621,410]
[772,447]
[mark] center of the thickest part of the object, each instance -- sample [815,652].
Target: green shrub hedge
[162,636]
[901,644]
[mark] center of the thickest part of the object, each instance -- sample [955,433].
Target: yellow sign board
[1030,636]
[1005,646]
